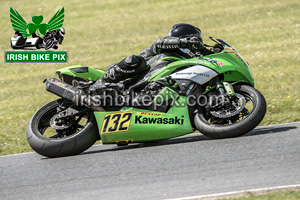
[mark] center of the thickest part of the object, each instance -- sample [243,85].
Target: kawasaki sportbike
[213,94]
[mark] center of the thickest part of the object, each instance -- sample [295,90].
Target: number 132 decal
[116,122]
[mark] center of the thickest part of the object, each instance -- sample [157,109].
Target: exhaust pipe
[69,92]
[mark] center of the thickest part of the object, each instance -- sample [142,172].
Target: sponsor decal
[192,73]
[232,52]
[116,122]
[127,71]
[60,83]
[149,114]
[212,61]
[201,62]
[162,120]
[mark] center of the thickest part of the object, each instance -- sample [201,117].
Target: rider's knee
[131,66]
[127,68]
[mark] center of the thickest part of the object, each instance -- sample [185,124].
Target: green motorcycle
[213,94]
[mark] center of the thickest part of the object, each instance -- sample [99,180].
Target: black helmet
[185,30]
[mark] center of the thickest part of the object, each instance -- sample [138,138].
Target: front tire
[49,44]
[218,128]
[78,139]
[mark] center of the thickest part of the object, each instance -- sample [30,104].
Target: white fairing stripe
[198,73]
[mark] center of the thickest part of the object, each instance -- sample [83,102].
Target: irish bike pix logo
[37,42]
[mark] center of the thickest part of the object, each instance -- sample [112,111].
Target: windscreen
[225,43]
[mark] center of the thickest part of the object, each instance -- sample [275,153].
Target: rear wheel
[52,136]
[240,115]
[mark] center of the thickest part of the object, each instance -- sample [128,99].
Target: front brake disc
[228,113]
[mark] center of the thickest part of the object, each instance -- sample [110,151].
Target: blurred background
[99,33]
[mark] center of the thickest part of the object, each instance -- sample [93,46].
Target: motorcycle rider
[183,40]
[54,36]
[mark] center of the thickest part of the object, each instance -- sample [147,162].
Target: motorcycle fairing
[139,125]
[228,63]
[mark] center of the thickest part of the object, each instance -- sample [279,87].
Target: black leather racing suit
[162,47]
[173,45]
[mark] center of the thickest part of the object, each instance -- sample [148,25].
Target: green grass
[277,195]
[99,33]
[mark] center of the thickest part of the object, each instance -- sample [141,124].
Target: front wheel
[244,112]
[49,44]
[52,136]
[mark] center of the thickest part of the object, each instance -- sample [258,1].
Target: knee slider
[131,66]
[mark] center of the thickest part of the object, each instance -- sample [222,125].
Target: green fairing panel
[164,95]
[138,125]
[228,63]
[232,67]
[91,74]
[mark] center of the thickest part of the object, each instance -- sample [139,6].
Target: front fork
[224,93]
[223,88]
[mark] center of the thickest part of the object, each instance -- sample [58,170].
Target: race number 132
[116,122]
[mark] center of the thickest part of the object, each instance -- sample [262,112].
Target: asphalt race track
[187,166]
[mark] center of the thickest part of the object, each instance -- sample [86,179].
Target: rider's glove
[195,43]
[192,43]
[183,43]
[217,48]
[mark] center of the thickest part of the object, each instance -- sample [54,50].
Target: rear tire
[69,145]
[218,131]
